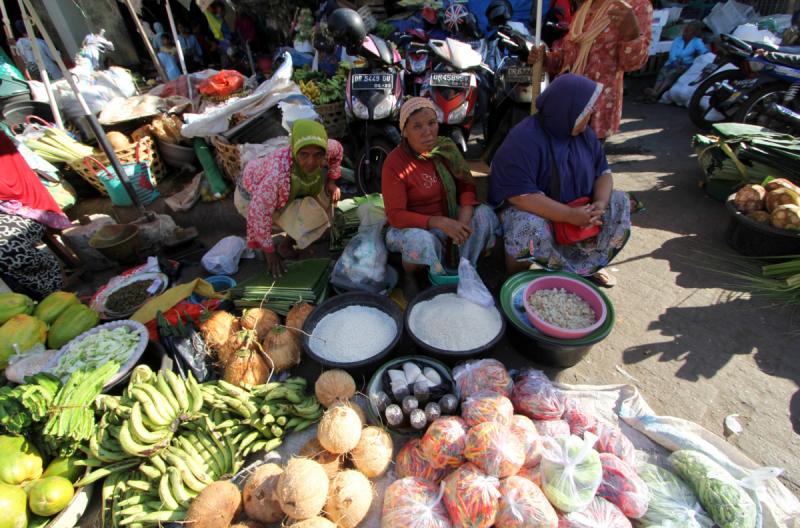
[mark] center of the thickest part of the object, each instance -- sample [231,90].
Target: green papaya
[22,330]
[73,322]
[21,461]
[12,304]
[54,305]
[14,507]
[64,467]
[50,496]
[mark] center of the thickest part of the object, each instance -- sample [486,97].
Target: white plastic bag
[471,287]
[223,258]
[362,265]
[185,199]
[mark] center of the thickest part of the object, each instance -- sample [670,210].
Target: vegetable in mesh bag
[612,440]
[577,417]
[571,471]
[413,502]
[535,397]
[523,505]
[411,462]
[444,442]
[480,375]
[495,449]
[598,514]
[487,406]
[672,501]
[623,487]
[471,497]
[724,497]
[525,431]
[551,427]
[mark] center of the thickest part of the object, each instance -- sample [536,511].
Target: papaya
[22,330]
[21,461]
[64,467]
[50,496]
[14,507]
[54,305]
[73,322]
[12,304]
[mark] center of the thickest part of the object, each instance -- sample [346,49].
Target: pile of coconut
[248,348]
[327,484]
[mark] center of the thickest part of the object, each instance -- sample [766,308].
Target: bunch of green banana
[330,91]
[71,419]
[129,499]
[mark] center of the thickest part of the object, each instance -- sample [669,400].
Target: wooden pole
[147,44]
[180,51]
[40,61]
[536,76]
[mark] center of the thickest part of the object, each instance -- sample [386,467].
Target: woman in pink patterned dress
[606,39]
[289,189]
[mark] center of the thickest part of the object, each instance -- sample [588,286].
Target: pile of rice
[449,322]
[562,309]
[352,334]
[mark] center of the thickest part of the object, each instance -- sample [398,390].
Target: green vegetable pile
[23,408]
[384,30]
[571,472]
[306,75]
[671,500]
[720,494]
[96,350]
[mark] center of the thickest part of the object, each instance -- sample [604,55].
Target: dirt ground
[694,346]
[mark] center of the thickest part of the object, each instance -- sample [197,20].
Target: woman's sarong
[22,261]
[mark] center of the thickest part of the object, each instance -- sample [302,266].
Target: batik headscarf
[304,133]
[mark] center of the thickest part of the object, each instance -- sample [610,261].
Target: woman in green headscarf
[291,189]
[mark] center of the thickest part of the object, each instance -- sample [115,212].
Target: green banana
[164,389]
[165,493]
[179,389]
[140,432]
[181,494]
[149,407]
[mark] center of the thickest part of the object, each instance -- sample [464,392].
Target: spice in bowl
[562,309]
[129,297]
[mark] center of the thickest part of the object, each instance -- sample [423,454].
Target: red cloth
[413,192]
[18,182]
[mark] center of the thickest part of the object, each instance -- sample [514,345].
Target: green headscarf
[304,133]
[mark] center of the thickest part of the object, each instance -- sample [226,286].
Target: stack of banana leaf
[748,154]
[345,220]
[186,347]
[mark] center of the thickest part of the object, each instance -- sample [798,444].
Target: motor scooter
[770,98]
[417,63]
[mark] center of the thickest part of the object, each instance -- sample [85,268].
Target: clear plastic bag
[672,501]
[598,514]
[414,503]
[411,462]
[523,505]
[577,417]
[223,258]
[494,449]
[487,406]
[470,285]
[623,487]
[571,471]
[362,265]
[612,440]
[552,428]
[525,431]
[471,497]
[481,375]
[534,474]
[444,442]
[535,397]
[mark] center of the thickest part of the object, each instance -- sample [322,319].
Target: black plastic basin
[755,239]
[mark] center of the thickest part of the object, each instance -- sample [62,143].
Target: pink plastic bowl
[580,289]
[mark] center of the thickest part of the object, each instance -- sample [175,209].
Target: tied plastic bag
[523,428]
[444,442]
[672,501]
[535,397]
[222,84]
[487,406]
[416,502]
[223,258]
[411,462]
[471,497]
[534,474]
[523,505]
[480,375]
[471,287]
[494,449]
[623,487]
[612,440]
[362,266]
[552,428]
[598,514]
[576,416]
[571,471]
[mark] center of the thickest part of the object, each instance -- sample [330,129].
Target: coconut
[334,385]
[314,522]
[283,348]
[780,197]
[781,183]
[373,453]
[357,408]
[257,495]
[349,499]
[246,367]
[260,321]
[249,523]
[216,506]
[243,339]
[750,198]
[786,217]
[302,489]
[217,327]
[762,217]
[340,429]
[297,317]
[330,462]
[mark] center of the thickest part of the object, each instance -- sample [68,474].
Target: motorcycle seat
[785,59]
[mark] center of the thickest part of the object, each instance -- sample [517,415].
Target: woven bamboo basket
[228,159]
[127,155]
[334,119]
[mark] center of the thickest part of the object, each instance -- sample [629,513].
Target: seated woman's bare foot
[286,248]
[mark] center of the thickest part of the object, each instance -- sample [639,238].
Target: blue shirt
[190,45]
[683,54]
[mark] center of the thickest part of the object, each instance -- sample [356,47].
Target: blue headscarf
[522,163]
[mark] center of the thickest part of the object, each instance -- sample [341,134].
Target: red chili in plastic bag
[623,487]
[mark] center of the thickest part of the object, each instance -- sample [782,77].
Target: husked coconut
[373,453]
[257,496]
[302,489]
[349,499]
[330,462]
[340,429]
[334,385]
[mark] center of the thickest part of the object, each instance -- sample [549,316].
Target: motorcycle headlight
[439,114]
[458,114]
[384,108]
[360,109]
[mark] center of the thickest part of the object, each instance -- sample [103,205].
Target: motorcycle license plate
[522,74]
[372,81]
[450,80]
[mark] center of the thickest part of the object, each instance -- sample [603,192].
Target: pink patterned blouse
[268,182]
[609,58]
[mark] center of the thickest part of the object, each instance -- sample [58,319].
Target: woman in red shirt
[430,200]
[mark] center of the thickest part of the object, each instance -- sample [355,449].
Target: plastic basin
[372,300]
[219,282]
[755,239]
[177,155]
[117,241]
[451,357]
[570,286]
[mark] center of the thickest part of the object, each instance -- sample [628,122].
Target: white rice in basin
[449,322]
[562,309]
[352,334]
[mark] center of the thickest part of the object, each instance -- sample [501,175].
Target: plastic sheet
[525,431]
[672,501]
[598,514]
[414,502]
[471,497]
[623,487]
[571,471]
[444,442]
[487,406]
[474,376]
[610,439]
[523,505]
[577,417]
[535,397]
[494,449]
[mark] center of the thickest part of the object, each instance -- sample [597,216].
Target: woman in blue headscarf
[521,180]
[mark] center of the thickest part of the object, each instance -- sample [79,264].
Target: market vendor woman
[431,200]
[289,188]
